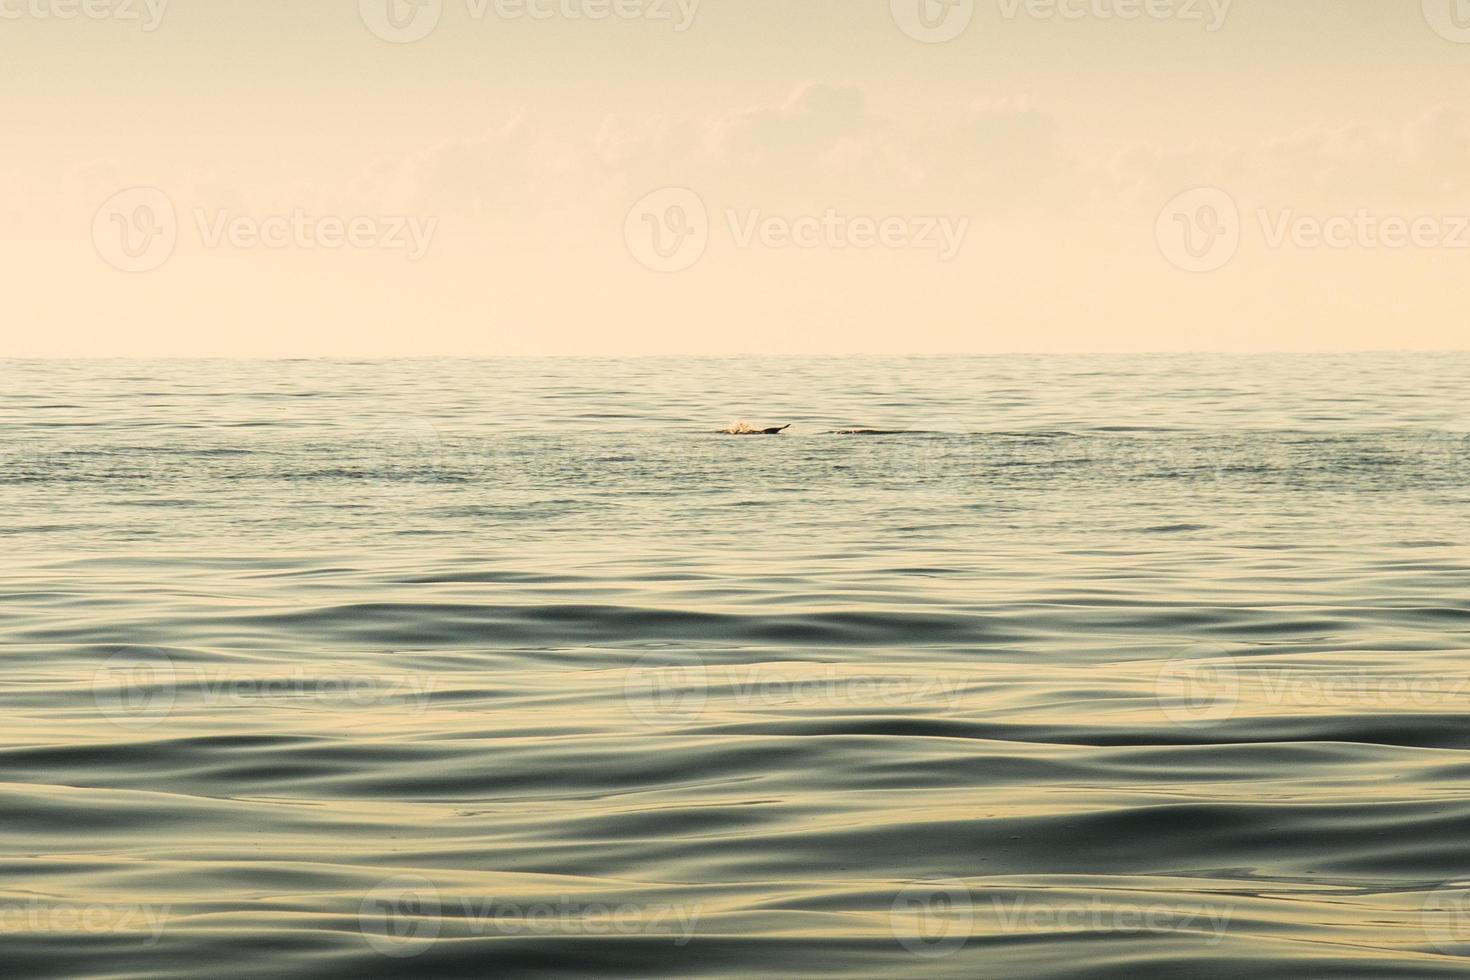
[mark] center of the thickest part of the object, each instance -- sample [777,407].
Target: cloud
[824,145]
[1419,165]
[820,146]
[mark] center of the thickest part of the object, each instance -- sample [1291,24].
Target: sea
[1111,666]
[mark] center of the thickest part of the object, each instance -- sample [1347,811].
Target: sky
[487,177]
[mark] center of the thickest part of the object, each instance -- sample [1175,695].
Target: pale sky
[805,176]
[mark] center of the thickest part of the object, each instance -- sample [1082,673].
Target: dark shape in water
[742,429]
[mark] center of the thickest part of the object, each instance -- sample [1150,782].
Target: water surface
[1043,667]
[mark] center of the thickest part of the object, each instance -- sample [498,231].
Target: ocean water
[990,667]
